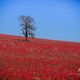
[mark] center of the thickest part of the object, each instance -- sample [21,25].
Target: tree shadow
[23,40]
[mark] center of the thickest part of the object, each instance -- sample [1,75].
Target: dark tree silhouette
[27,26]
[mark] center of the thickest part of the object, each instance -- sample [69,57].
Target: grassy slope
[38,59]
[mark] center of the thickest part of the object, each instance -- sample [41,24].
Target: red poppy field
[38,59]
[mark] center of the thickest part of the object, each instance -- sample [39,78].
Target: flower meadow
[38,59]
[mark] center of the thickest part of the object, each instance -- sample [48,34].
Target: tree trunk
[26,35]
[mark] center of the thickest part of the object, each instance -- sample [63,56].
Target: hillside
[38,59]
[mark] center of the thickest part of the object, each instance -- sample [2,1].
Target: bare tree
[27,26]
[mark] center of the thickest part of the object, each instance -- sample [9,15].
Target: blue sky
[55,19]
